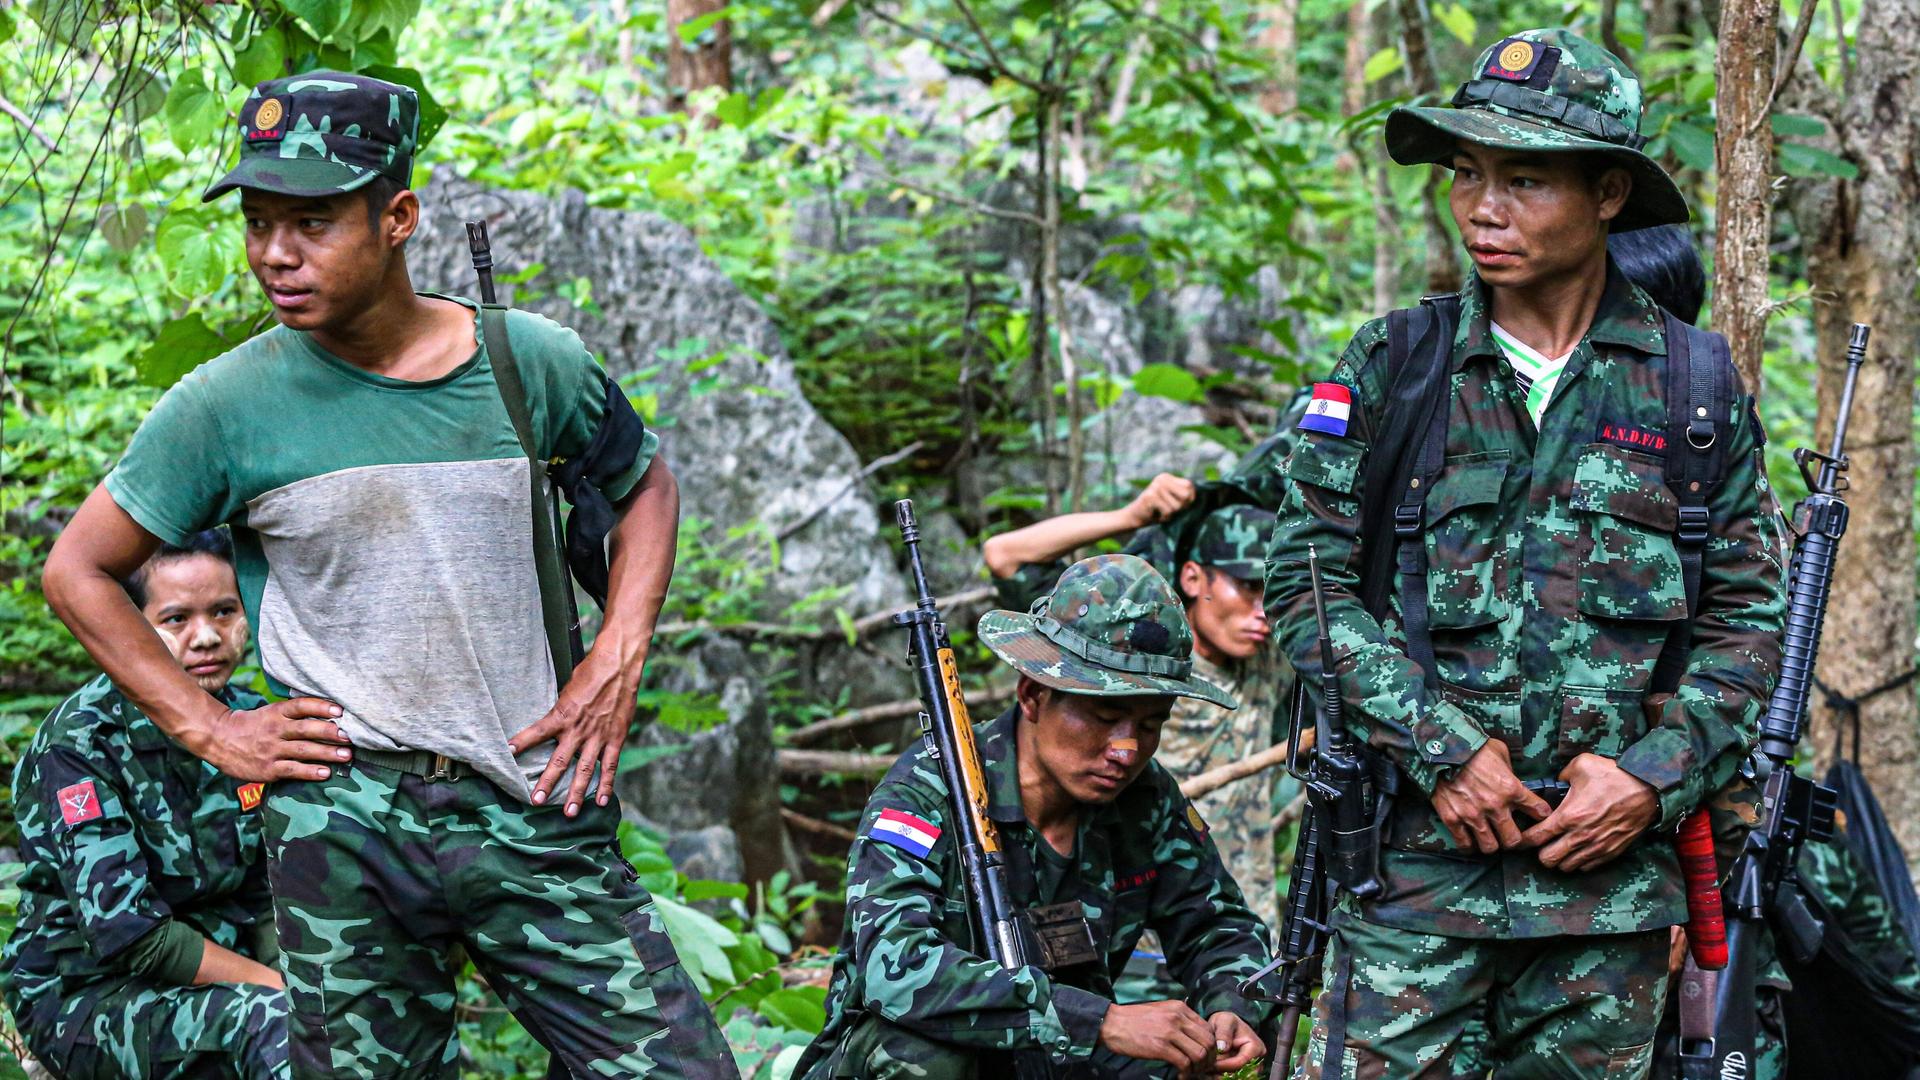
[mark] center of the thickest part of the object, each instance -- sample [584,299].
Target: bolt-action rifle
[1338,845]
[1762,890]
[997,926]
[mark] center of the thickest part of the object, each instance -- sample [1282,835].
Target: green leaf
[1693,145]
[633,757]
[701,942]
[263,57]
[1167,381]
[433,115]
[194,112]
[194,249]
[846,626]
[697,891]
[1797,159]
[1458,21]
[322,17]
[800,1008]
[122,227]
[139,92]
[392,16]
[6,25]
[732,109]
[1806,127]
[1382,64]
[694,27]
[184,344]
[70,22]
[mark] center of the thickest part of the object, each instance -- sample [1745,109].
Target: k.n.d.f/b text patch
[1631,437]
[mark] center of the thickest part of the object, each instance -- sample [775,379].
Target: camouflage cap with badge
[323,133]
[1233,540]
[1550,91]
[1112,627]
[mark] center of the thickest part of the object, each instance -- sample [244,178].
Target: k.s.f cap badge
[268,119]
[1517,59]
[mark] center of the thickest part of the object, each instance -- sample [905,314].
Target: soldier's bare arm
[589,720]
[1045,541]
[1476,804]
[98,549]
[222,965]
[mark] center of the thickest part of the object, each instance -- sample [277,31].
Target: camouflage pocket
[1467,557]
[1628,565]
[1597,720]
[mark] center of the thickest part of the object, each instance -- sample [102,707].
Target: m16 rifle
[998,929]
[1338,845]
[1762,892]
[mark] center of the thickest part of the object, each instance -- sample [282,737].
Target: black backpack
[1409,449]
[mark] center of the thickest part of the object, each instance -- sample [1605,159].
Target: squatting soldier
[1098,840]
[431,785]
[145,938]
[1553,582]
[1219,577]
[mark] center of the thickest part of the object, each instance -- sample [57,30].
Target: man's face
[195,604]
[1528,218]
[322,261]
[1093,747]
[1228,615]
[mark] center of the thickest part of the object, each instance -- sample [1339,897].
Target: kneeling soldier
[1100,847]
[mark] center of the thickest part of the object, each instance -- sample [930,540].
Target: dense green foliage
[843,182]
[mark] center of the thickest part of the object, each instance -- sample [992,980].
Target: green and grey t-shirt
[1537,372]
[382,529]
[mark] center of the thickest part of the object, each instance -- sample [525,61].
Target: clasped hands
[1605,810]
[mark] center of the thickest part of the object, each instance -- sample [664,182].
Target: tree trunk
[1864,248]
[708,59]
[1280,39]
[1387,242]
[1443,264]
[1743,159]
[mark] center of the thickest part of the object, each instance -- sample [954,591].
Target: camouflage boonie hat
[1233,540]
[323,133]
[1551,91]
[1111,628]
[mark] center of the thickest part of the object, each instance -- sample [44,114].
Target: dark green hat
[1550,91]
[1233,540]
[1111,627]
[323,133]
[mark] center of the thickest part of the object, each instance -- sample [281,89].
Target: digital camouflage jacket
[1143,862]
[1553,582]
[120,829]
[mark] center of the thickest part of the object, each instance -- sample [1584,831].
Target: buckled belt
[422,763]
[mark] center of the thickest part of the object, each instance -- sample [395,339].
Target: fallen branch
[804,763]
[855,719]
[1206,783]
[872,467]
[862,626]
[825,829]
[26,122]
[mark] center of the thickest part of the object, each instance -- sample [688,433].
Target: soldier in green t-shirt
[434,784]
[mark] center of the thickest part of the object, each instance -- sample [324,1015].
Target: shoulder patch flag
[79,803]
[904,831]
[1328,410]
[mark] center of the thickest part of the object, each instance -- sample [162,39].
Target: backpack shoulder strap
[556,598]
[1699,392]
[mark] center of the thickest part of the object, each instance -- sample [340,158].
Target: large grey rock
[746,447]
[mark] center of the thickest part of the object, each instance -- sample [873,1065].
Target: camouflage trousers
[875,1049]
[182,1033]
[1400,1004]
[377,874]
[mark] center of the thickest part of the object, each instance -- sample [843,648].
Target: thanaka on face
[194,602]
[1082,748]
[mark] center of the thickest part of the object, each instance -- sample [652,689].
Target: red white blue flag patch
[904,831]
[1327,413]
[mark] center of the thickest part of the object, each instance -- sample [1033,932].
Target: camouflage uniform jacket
[1141,864]
[120,829]
[1553,582]
[1199,736]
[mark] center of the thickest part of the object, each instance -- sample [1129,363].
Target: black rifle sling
[556,598]
[1699,412]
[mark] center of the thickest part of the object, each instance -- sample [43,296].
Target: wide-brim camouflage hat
[1111,627]
[323,133]
[1548,91]
[1233,540]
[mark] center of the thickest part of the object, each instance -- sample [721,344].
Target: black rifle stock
[1338,844]
[996,923]
[1761,890]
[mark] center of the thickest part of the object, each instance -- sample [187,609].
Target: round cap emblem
[267,117]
